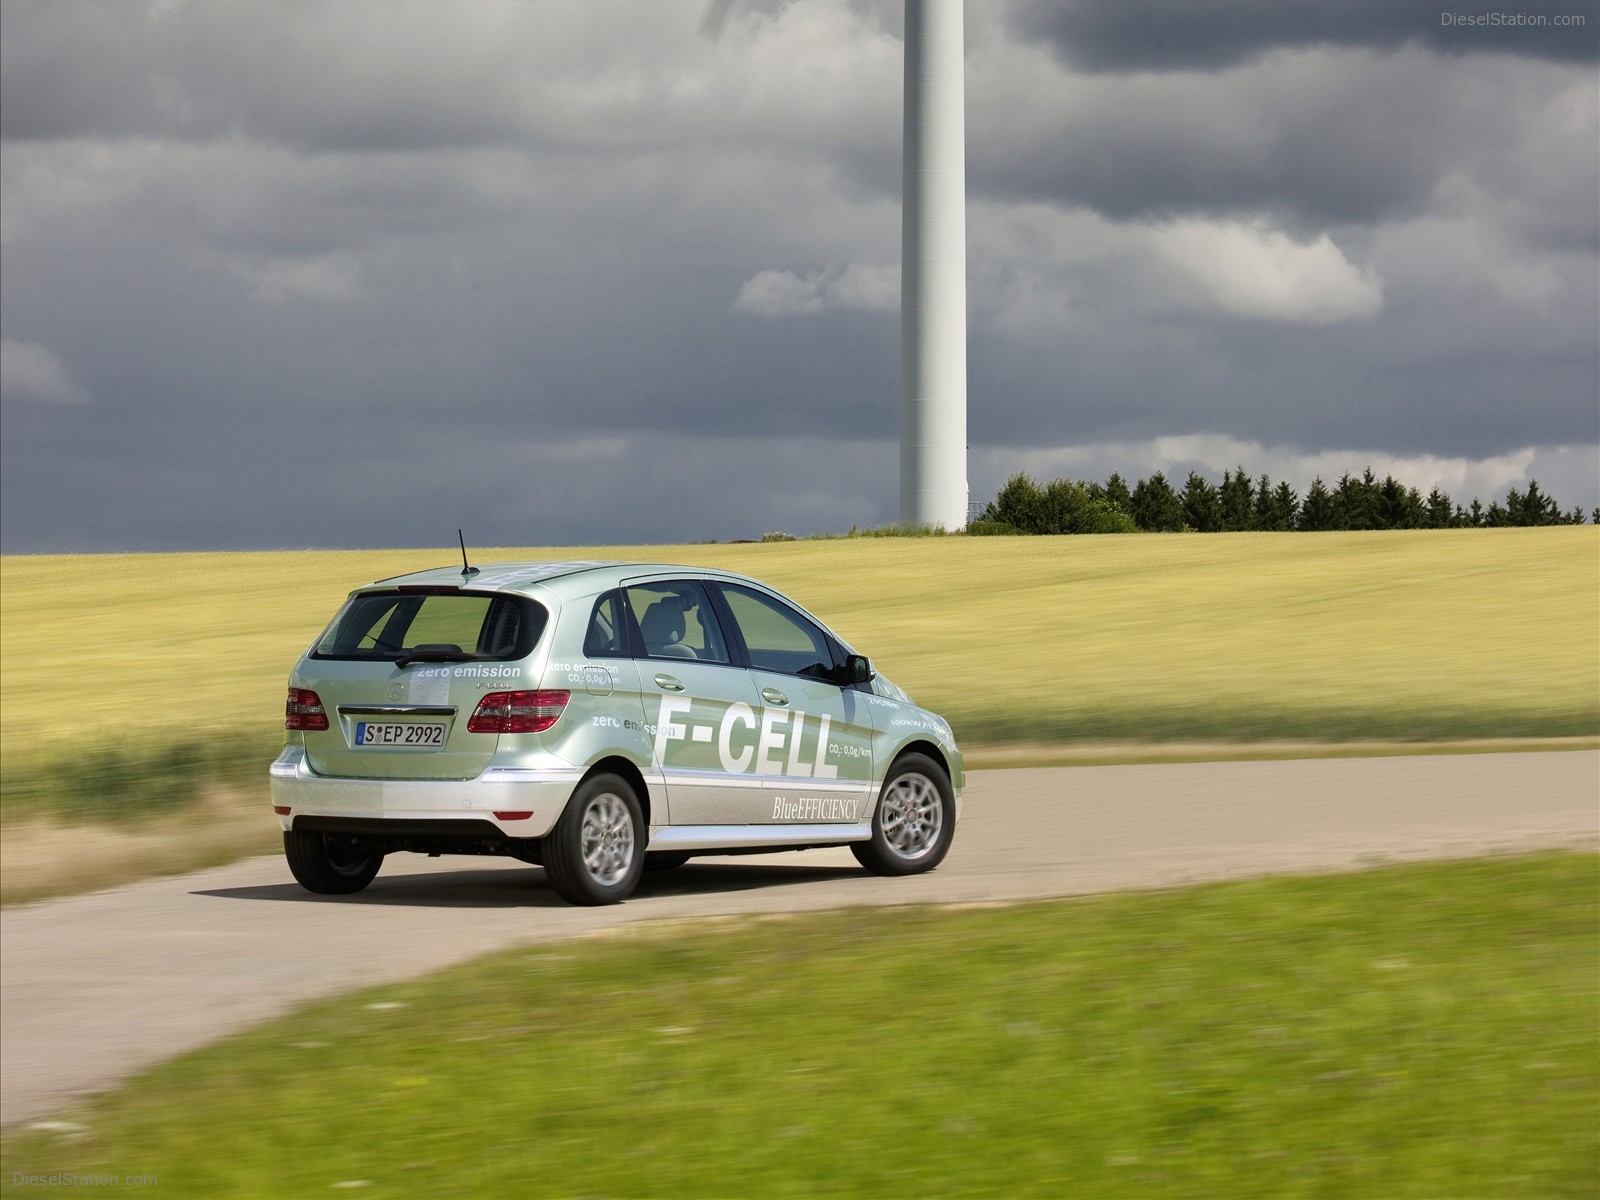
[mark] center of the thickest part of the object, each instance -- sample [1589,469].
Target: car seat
[662,629]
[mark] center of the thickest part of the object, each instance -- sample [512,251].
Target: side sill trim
[728,837]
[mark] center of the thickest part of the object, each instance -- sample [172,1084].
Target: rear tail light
[304,710]
[518,712]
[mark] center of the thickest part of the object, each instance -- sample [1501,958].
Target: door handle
[773,696]
[668,683]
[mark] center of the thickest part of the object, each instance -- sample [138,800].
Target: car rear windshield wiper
[431,652]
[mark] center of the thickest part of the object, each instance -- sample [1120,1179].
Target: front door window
[814,744]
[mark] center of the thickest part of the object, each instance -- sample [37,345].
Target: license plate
[399,733]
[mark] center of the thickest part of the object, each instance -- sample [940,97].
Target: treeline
[1153,505]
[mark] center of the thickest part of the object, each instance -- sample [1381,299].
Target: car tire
[323,866]
[913,822]
[664,860]
[595,853]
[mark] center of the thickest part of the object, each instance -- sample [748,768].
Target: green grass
[129,782]
[874,531]
[1240,638]
[1414,1031]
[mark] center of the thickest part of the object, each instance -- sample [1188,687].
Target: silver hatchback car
[599,720]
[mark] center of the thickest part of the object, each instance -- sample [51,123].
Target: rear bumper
[540,792]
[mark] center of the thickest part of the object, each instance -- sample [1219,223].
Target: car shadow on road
[499,887]
[725,875]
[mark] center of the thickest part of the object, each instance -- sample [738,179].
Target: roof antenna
[465,569]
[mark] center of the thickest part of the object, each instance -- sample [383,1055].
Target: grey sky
[355,273]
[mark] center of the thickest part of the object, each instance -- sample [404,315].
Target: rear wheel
[596,851]
[914,821]
[329,865]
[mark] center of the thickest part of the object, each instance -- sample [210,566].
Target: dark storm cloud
[356,480]
[370,77]
[1208,35]
[1317,138]
[218,70]
[1337,386]
[542,393]
[1323,147]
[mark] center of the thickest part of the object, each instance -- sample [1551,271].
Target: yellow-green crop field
[1429,635]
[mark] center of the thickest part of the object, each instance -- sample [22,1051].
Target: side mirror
[856,670]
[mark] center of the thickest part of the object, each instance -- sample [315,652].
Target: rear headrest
[663,623]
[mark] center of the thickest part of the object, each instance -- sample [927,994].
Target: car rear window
[480,626]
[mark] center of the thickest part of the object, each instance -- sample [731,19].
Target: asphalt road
[94,988]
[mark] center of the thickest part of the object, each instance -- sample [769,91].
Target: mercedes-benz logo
[397,691]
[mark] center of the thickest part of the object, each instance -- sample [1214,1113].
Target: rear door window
[486,627]
[676,621]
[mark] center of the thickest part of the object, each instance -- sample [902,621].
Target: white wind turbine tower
[933,264]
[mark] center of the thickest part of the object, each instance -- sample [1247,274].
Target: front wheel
[328,865]
[914,821]
[596,851]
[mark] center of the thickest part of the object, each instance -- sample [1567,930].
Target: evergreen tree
[1320,512]
[1071,506]
[1440,514]
[1236,499]
[1285,506]
[1155,506]
[1275,507]
[1533,507]
[1117,494]
[1262,515]
[1358,502]
[1399,507]
[1412,510]
[1202,508]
